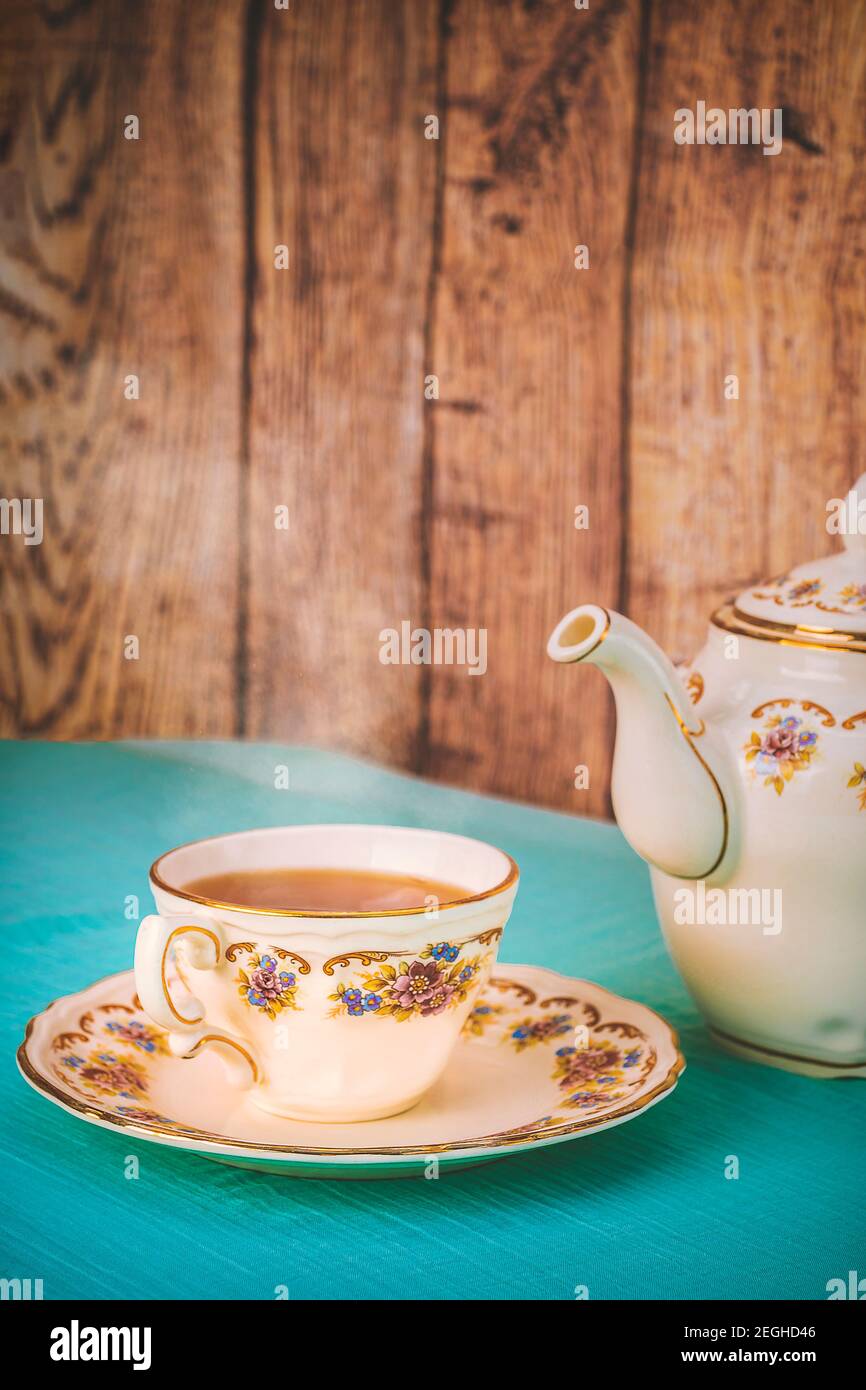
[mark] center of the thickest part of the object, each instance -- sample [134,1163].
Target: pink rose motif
[266,982]
[781,744]
[119,1077]
[585,1066]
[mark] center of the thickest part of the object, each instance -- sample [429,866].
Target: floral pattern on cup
[264,986]
[858,779]
[439,978]
[786,747]
[854,595]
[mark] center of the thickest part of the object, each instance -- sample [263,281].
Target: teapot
[741,779]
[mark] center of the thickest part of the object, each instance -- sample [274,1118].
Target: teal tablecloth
[642,1211]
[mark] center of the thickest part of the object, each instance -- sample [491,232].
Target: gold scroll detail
[809,706]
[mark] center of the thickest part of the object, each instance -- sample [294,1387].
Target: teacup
[339,1033]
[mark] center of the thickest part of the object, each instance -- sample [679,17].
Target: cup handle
[188,1031]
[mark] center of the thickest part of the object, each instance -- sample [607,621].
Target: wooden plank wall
[304,387]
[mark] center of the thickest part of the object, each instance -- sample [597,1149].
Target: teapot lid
[822,603]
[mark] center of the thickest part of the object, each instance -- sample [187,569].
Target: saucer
[543,1058]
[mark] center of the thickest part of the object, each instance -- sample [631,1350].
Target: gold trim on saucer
[157,879]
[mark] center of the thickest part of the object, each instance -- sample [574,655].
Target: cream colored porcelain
[329,1018]
[742,781]
[542,1059]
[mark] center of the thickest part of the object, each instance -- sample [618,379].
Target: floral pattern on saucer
[100,1068]
[481,1018]
[502,1098]
[141,1035]
[106,1074]
[100,1073]
[531,1031]
[596,1073]
[439,978]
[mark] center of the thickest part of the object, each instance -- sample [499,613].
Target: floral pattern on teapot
[858,779]
[803,592]
[786,747]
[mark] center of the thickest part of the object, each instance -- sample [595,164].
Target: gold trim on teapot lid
[733,619]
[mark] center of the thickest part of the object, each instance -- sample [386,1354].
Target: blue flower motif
[808,739]
[73,1061]
[440,950]
[790,723]
[565,1051]
[352,996]
[631,1058]
[286,979]
[134,1033]
[356,1010]
[268,963]
[467,972]
[257,999]
[372,1001]
[520,1033]
[452,953]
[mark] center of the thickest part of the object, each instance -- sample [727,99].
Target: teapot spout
[666,784]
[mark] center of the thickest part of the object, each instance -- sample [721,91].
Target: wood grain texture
[120,257]
[345,179]
[539,130]
[751,265]
[304,387]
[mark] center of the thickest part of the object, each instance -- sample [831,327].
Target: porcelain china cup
[333,1017]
